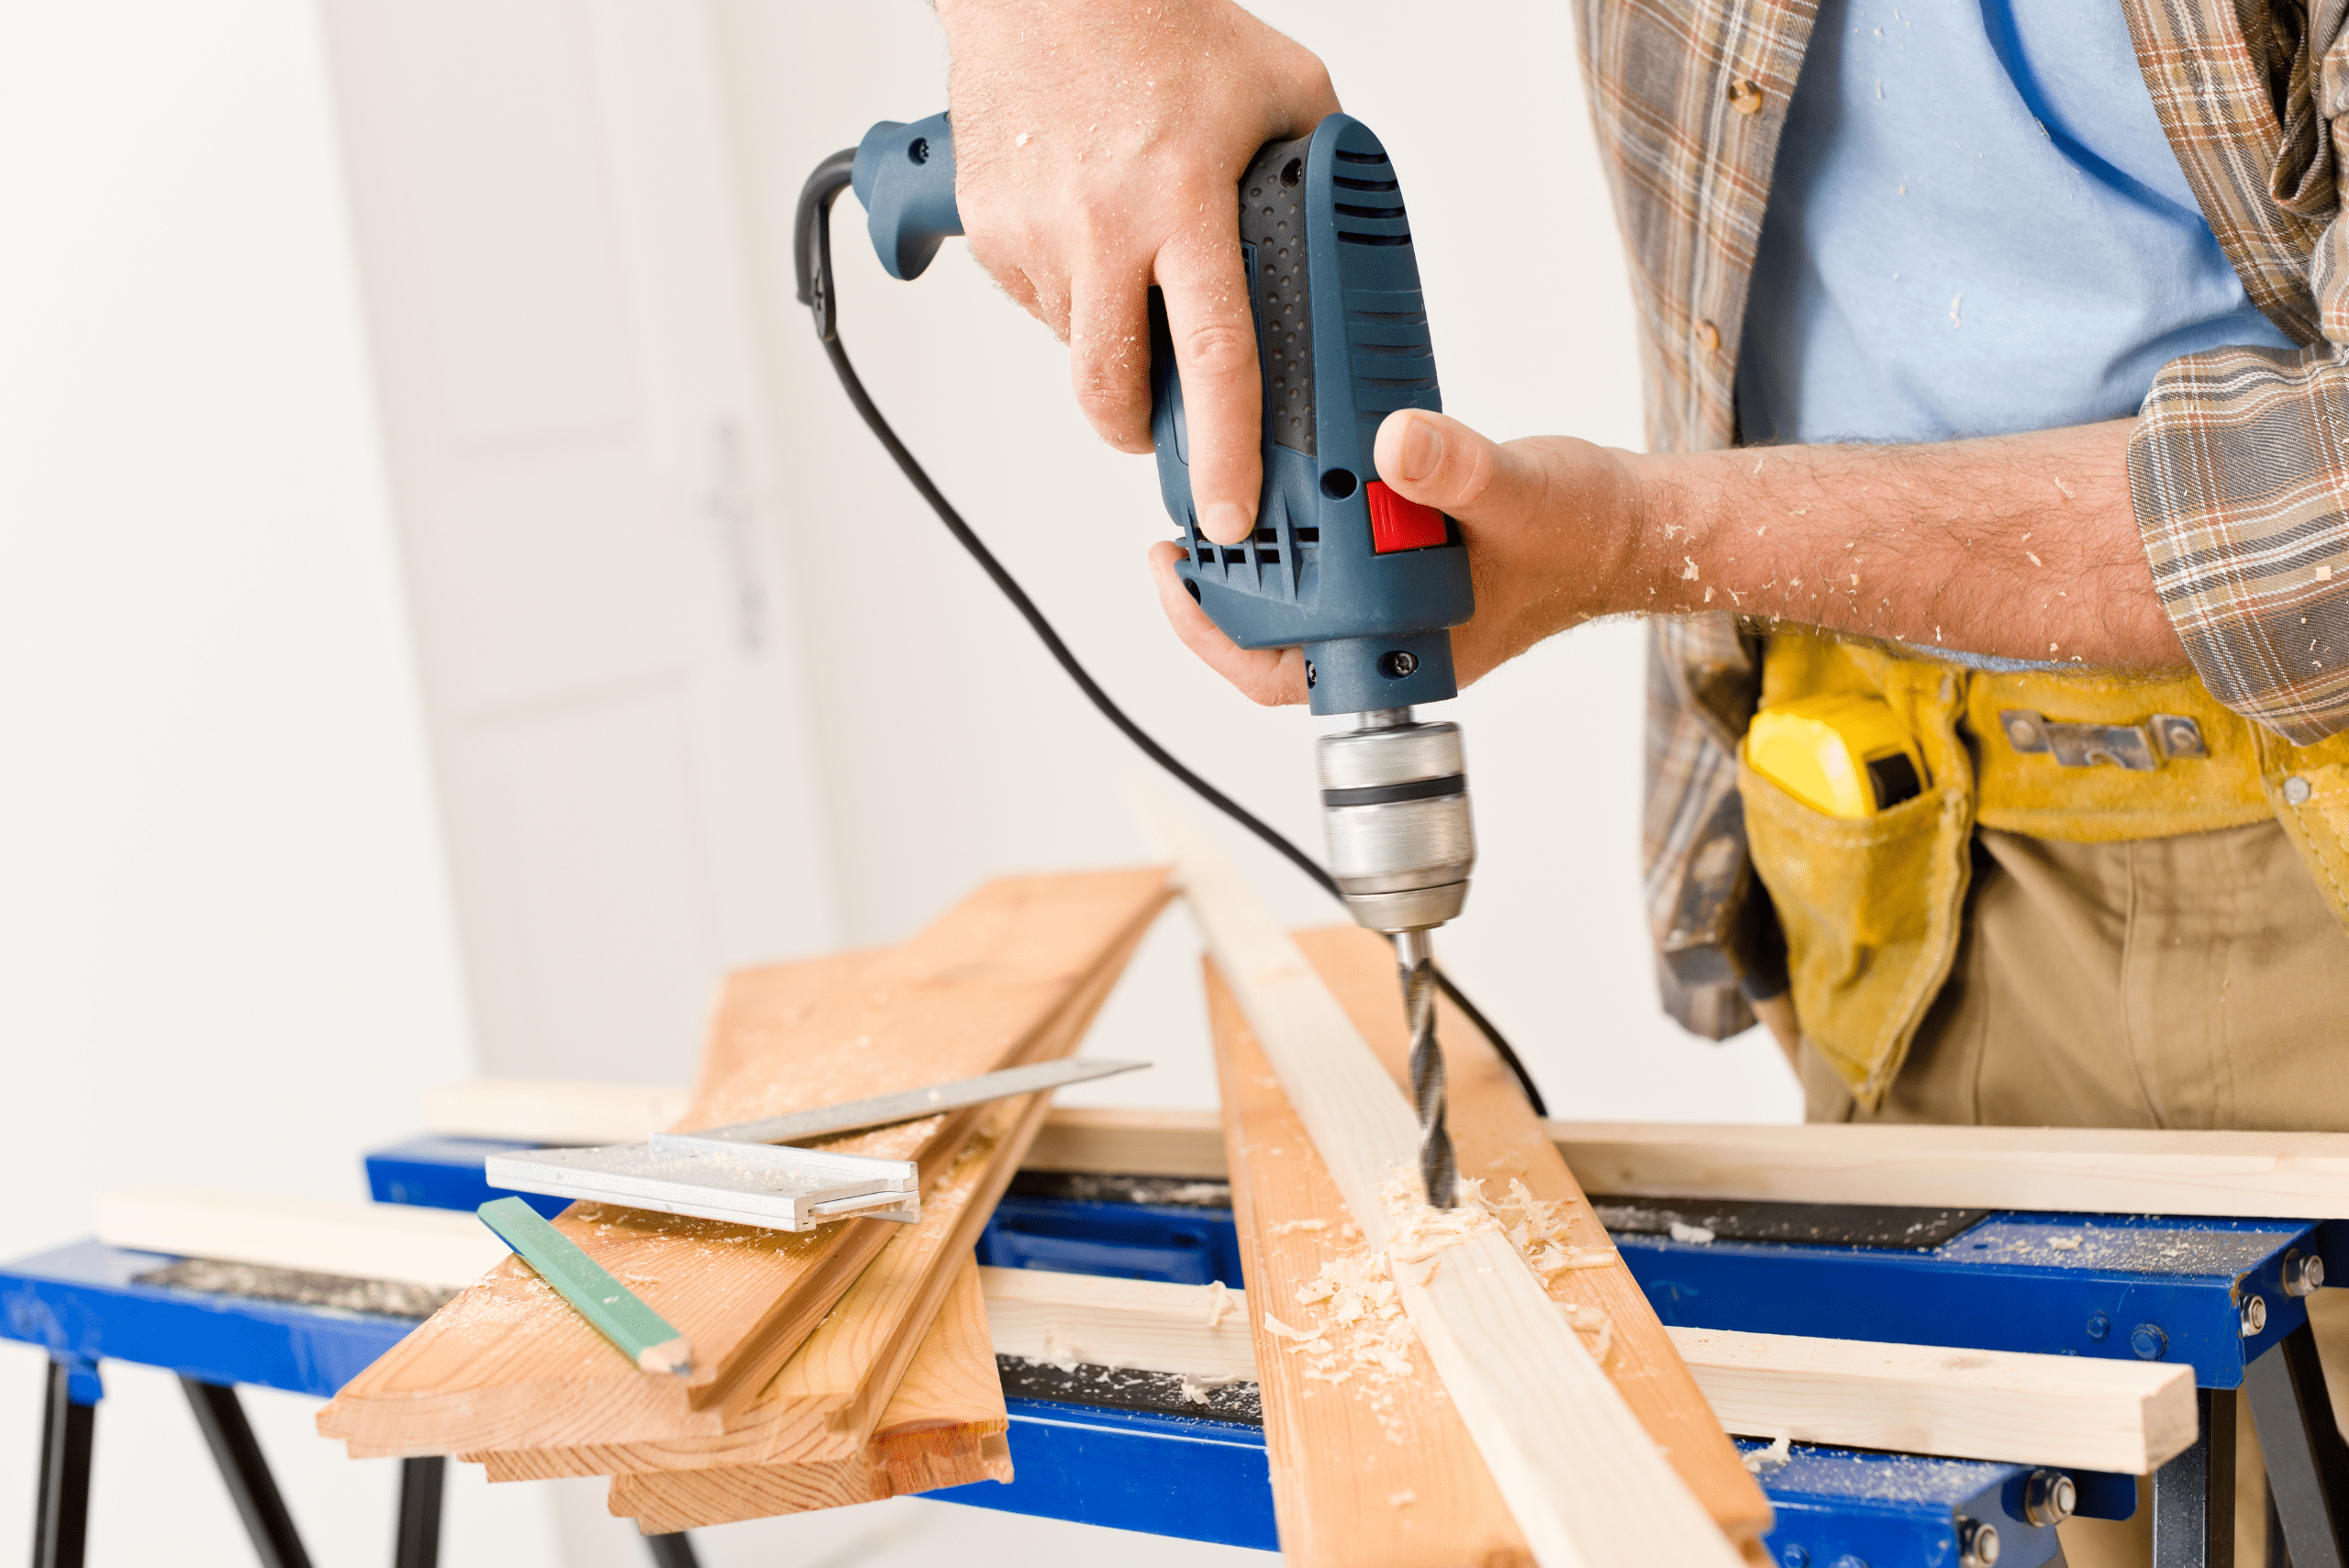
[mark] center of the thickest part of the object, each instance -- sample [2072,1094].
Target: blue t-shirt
[1976,227]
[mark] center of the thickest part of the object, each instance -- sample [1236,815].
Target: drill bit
[1415,954]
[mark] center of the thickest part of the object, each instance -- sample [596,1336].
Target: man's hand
[2023,547]
[1098,145]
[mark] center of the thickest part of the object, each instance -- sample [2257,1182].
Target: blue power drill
[1369,584]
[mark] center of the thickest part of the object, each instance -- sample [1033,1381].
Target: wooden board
[1363,1476]
[1191,1329]
[553,1111]
[2128,1418]
[2278,1175]
[360,1240]
[824,1402]
[1124,1142]
[944,1427]
[2124,1416]
[506,1366]
[1497,1139]
[1584,1481]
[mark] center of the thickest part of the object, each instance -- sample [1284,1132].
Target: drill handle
[905,176]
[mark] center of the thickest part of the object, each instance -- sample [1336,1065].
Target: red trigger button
[1400,523]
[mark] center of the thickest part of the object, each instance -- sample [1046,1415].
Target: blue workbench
[2111,1285]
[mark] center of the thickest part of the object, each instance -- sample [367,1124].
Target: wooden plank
[553,1111]
[1195,1330]
[508,1366]
[2279,1175]
[2124,1416]
[1497,1140]
[824,1402]
[2069,1411]
[1584,1481]
[944,1427]
[2282,1175]
[1370,1472]
[1119,1141]
[360,1240]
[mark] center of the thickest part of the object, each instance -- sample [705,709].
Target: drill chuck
[1394,809]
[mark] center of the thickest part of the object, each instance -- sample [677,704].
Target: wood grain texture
[944,1427]
[2068,1411]
[1190,1329]
[359,1240]
[551,1110]
[2123,1417]
[1584,1481]
[1496,1139]
[2279,1175]
[827,1400]
[1363,1476]
[1119,1141]
[508,1365]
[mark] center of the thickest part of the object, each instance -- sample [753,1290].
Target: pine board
[358,1241]
[944,1427]
[508,1365]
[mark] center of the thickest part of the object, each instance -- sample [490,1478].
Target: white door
[555,284]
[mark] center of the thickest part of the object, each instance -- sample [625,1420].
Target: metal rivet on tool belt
[1708,337]
[2296,790]
[1744,96]
[2254,1317]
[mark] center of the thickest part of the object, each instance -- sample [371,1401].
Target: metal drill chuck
[1394,809]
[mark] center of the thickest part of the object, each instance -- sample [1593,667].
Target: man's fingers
[1438,462]
[1268,675]
[1108,355]
[1215,351]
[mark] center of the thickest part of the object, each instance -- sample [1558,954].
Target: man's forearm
[2023,547]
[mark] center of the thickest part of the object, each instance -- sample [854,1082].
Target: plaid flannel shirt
[2239,465]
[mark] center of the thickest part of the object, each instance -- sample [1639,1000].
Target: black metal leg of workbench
[673,1551]
[2278,1554]
[419,1544]
[62,1511]
[246,1472]
[2194,1495]
[2307,1464]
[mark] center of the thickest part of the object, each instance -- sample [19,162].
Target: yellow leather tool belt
[1872,905]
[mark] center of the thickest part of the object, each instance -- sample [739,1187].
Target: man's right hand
[1098,145]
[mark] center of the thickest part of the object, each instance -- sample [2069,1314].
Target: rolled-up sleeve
[2239,470]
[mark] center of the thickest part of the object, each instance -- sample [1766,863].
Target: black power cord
[812,256]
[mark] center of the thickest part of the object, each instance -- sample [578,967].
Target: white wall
[225,950]
[954,750]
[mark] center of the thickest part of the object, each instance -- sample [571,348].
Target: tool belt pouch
[1871,906]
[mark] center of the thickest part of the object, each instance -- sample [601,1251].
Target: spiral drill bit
[1437,1171]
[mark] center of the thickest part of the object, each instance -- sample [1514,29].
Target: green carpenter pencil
[618,1313]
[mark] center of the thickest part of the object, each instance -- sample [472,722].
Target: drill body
[1369,584]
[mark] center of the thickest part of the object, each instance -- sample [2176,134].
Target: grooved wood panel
[509,1365]
[944,1427]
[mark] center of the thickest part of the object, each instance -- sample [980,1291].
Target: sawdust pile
[1356,1330]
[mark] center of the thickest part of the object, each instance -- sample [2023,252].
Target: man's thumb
[1438,462]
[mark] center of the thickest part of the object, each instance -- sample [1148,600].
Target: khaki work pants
[2193,982]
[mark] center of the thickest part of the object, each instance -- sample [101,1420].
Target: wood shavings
[1689,574]
[1402,1500]
[1219,1304]
[1289,1226]
[1763,1460]
[1275,1325]
[1694,1235]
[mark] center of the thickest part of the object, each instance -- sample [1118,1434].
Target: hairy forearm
[2022,547]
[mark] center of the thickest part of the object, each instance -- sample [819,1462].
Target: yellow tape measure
[1847,756]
